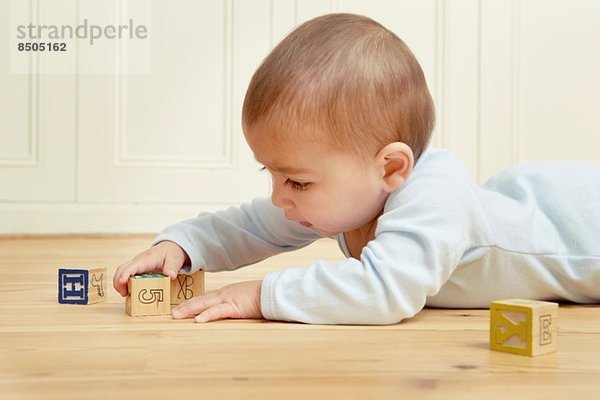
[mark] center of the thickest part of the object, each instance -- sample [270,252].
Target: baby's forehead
[293,156]
[289,139]
[282,156]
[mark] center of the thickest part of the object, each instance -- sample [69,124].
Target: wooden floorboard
[51,351]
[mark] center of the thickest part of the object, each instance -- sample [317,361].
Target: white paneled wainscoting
[120,150]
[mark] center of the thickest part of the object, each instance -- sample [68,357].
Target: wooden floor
[54,351]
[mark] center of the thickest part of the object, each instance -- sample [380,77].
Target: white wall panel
[191,62]
[174,135]
[37,122]
[456,92]
[20,106]
[497,89]
[559,84]
[540,88]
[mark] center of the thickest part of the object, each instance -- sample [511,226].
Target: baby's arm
[223,240]
[383,287]
[165,257]
[238,236]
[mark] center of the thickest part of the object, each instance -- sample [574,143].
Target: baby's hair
[347,79]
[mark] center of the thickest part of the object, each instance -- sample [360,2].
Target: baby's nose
[280,200]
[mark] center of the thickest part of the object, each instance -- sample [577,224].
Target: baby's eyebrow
[288,169]
[283,168]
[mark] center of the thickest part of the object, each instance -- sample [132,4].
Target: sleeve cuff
[268,305]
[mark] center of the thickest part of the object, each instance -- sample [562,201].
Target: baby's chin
[333,228]
[331,231]
[323,231]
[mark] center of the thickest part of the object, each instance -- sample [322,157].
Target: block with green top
[149,294]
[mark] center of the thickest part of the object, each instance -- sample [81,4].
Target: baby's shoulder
[439,180]
[438,170]
[439,164]
[439,198]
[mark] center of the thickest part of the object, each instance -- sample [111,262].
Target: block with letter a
[525,327]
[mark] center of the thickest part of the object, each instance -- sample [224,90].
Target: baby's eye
[299,186]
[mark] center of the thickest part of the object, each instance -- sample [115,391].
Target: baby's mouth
[305,224]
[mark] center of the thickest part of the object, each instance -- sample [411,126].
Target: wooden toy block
[525,327]
[149,294]
[81,285]
[187,286]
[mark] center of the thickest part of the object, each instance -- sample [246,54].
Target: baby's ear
[396,163]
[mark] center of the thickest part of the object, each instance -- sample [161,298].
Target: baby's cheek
[334,220]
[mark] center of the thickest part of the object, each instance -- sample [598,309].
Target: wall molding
[516,81]
[70,218]
[34,122]
[439,91]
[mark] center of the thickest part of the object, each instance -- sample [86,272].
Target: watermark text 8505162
[45,46]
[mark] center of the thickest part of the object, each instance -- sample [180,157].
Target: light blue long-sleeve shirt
[532,231]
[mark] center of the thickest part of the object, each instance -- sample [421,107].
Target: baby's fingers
[239,300]
[127,270]
[118,284]
[171,266]
[196,305]
[220,311]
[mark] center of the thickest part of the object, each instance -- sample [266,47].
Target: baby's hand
[166,258]
[240,300]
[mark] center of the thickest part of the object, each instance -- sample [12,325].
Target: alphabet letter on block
[525,327]
[149,294]
[81,285]
[187,286]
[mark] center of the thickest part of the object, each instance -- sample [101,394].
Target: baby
[340,115]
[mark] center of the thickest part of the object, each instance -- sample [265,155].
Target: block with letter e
[525,327]
[149,294]
[81,285]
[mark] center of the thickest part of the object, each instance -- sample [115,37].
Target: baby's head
[338,112]
[344,81]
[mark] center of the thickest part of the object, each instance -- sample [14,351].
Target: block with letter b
[149,294]
[187,286]
[525,327]
[81,285]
